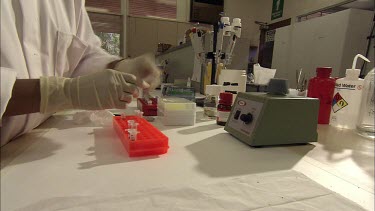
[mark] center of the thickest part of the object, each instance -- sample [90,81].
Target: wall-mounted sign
[277,9]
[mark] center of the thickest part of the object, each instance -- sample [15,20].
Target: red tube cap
[226,98]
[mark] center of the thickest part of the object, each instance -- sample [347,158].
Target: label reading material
[222,116]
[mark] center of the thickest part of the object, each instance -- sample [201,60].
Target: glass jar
[211,101]
[365,124]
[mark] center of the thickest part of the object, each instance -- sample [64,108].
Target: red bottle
[322,87]
[224,107]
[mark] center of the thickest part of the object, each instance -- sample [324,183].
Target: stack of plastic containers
[176,111]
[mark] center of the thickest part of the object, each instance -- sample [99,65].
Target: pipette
[224,30]
[235,34]
[197,42]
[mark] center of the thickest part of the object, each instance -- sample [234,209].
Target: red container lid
[323,71]
[226,98]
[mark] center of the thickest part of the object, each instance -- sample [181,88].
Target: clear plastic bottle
[347,98]
[366,121]
[211,101]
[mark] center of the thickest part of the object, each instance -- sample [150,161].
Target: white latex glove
[104,89]
[142,67]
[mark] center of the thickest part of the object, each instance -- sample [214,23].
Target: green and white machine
[263,119]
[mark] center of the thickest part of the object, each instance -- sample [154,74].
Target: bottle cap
[213,90]
[278,86]
[226,98]
[324,71]
[225,20]
[236,22]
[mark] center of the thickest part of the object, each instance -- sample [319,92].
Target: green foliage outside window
[110,42]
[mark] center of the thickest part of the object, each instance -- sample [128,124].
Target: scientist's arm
[103,89]
[95,58]
[25,97]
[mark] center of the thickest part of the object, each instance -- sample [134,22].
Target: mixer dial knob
[246,118]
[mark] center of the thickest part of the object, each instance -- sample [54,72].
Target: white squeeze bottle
[347,98]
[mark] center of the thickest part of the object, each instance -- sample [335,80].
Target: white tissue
[102,118]
[262,75]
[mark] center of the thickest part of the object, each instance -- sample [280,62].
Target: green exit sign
[277,9]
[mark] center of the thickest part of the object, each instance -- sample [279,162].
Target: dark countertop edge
[187,44]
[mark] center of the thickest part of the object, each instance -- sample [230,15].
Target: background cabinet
[332,40]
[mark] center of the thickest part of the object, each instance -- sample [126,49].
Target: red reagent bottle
[224,107]
[322,86]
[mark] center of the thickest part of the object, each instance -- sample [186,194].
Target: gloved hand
[142,67]
[100,90]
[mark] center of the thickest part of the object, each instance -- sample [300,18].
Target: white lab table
[60,159]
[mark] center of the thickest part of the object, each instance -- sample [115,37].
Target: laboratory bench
[61,165]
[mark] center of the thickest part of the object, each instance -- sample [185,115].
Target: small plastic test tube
[131,124]
[133,134]
[135,126]
[138,113]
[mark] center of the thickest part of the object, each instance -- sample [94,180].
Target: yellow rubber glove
[100,90]
[142,67]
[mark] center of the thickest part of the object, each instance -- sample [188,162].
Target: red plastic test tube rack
[150,141]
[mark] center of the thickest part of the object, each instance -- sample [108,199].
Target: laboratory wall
[321,42]
[183,10]
[260,10]
[249,12]
[180,62]
[144,34]
[294,8]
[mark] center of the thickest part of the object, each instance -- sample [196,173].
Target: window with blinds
[107,23]
[153,8]
[105,6]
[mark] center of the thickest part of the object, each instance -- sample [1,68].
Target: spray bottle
[347,97]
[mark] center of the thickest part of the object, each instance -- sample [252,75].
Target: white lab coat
[44,38]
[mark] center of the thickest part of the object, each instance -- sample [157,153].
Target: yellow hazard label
[338,103]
